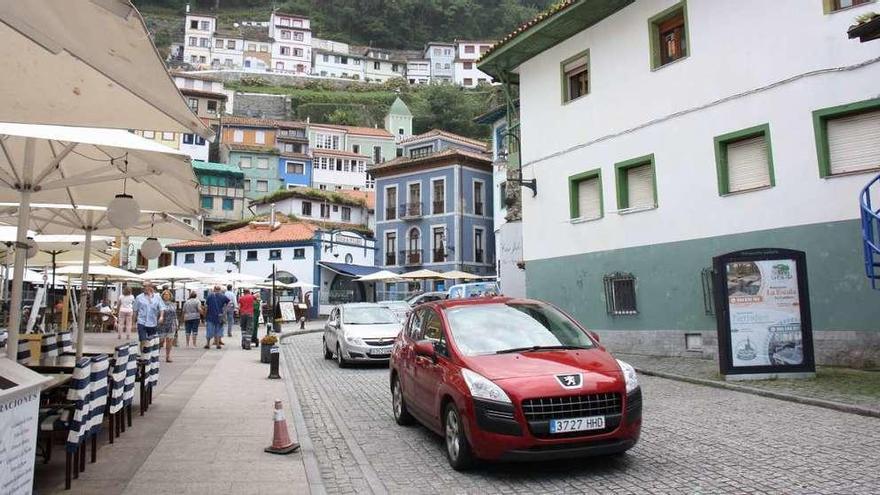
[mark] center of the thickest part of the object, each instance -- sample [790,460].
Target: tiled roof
[298,156]
[552,11]
[368,196]
[192,75]
[290,124]
[202,94]
[254,234]
[447,135]
[360,131]
[343,196]
[248,121]
[339,153]
[445,155]
[250,148]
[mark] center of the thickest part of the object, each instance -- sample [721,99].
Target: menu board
[765,313]
[19,409]
[288,312]
[764,322]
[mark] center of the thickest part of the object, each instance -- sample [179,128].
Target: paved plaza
[695,439]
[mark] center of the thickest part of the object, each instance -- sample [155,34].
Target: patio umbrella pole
[24,213]
[83,300]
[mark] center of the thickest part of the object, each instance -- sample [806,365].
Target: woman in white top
[124,310]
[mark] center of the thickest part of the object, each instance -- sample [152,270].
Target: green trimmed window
[744,160]
[208,202]
[835,5]
[228,204]
[576,76]
[636,184]
[585,195]
[669,36]
[848,138]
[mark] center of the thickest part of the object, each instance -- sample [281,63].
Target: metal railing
[411,210]
[438,255]
[391,213]
[438,208]
[479,255]
[390,259]
[478,208]
[871,231]
[411,257]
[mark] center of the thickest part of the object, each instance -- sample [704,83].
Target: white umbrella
[421,275]
[460,275]
[30,277]
[86,63]
[302,285]
[174,273]
[380,276]
[103,271]
[235,277]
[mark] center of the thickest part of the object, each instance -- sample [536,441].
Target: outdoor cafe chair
[131,371]
[4,336]
[24,351]
[72,418]
[48,345]
[65,343]
[116,410]
[98,394]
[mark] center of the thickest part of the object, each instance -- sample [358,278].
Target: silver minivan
[360,332]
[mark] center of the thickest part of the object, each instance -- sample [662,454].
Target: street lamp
[504,154]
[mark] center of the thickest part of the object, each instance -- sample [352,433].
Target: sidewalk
[205,432]
[843,389]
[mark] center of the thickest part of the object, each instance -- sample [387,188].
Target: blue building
[295,162]
[435,210]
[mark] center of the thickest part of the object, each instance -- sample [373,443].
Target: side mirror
[425,348]
[594,335]
[334,324]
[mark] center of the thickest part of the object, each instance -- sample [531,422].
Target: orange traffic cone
[281,442]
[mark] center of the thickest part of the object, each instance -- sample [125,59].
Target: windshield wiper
[536,348]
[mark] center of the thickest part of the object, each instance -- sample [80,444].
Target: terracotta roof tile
[254,235]
[402,162]
[526,26]
[445,134]
[251,121]
[361,131]
[203,94]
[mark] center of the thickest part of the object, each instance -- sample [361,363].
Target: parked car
[512,379]
[473,289]
[400,309]
[363,332]
[426,297]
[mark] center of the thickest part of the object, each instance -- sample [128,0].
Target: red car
[512,379]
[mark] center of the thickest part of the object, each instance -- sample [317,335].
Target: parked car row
[498,378]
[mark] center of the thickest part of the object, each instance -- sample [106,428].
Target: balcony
[391,213]
[478,209]
[479,256]
[438,208]
[411,211]
[390,259]
[438,255]
[411,257]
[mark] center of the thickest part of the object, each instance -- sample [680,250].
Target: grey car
[360,332]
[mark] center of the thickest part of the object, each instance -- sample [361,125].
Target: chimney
[272,218]
[187,8]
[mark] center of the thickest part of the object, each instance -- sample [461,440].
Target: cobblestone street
[695,439]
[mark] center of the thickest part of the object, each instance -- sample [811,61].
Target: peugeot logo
[571,380]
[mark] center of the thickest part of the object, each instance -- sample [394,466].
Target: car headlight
[629,375]
[483,388]
[355,340]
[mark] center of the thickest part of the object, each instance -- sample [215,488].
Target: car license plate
[577,424]
[381,351]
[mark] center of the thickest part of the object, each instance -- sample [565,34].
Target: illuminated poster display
[764,318]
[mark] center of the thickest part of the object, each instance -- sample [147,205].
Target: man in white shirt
[230,309]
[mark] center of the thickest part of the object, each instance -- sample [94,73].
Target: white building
[649,134]
[198,39]
[466,55]
[381,65]
[442,60]
[344,207]
[335,59]
[298,251]
[418,71]
[292,47]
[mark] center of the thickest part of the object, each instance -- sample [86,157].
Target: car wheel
[328,354]
[339,359]
[458,450]
[398,405]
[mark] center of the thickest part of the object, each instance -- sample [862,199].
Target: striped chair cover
[98,393]
[80,393]
[24,351]
[130,374]
[117,378]
[49,345]
[4,336]
[65,343]
[154,362]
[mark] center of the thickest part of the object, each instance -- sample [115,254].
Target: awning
[353,271]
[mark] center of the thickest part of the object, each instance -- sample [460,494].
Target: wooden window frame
[721,164]
[654,35]
[828,6]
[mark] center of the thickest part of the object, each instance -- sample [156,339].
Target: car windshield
[513,327]
[368,315]
[396,305]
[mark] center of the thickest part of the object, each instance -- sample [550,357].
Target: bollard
[273,363]
[302,322]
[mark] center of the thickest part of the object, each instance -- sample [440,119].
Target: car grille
[379,342]
[575,406]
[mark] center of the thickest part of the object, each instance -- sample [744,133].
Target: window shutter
[589,204]
[747,164]
[854,142]
[640,187]
[574,65]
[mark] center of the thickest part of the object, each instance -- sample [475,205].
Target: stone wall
[278,79]
[262,106]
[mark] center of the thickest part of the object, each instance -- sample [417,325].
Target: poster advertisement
[765,313]
[763,316]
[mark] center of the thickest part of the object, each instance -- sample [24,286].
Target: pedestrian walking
[246,316]
[146,313]
[215,306]
[258,307]
[167,324]
[125,308]
[230,309]
[192,315]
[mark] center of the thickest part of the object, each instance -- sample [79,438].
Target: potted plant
[266,344]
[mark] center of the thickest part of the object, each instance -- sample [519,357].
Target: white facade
[442,61]
[380,67]
[339,64]
[338,170]
[675,112]
[418,71]
[317,209]
[466,72]
[292,49]
[195,146]
[508,234]
[227,51]
[198,39]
